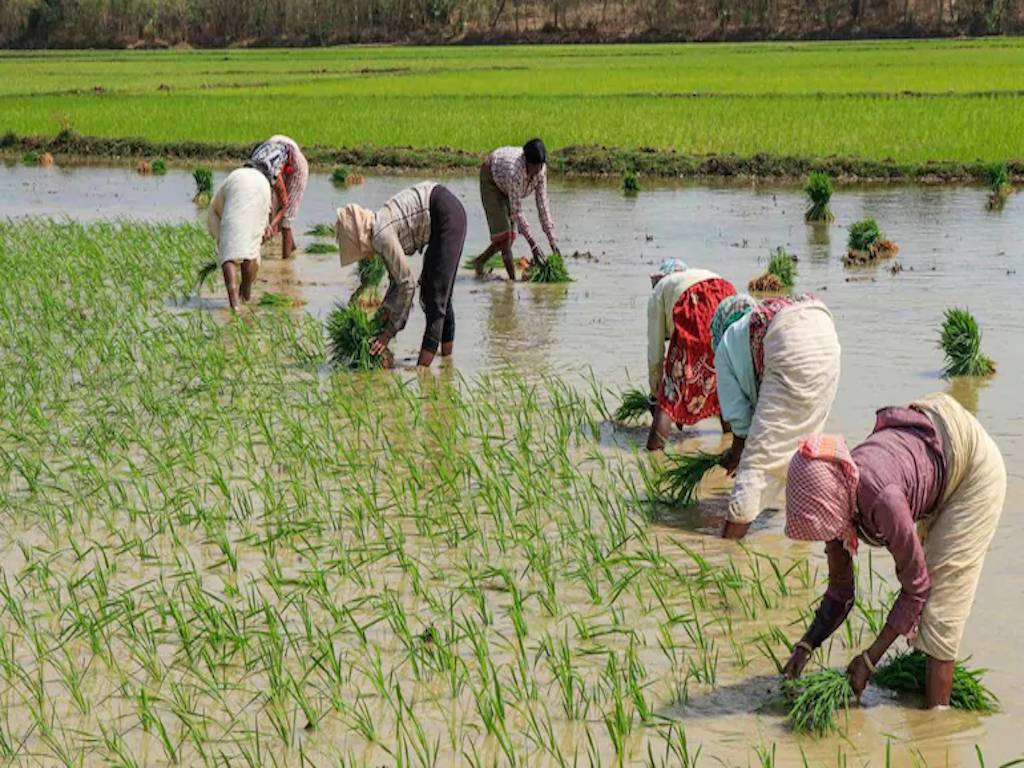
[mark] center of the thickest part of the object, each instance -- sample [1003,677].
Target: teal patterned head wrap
[731,309]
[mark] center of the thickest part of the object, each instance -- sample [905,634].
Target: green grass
[905,673]
[960,340]
[952,100]
[551,270]
[819,193]
[681,476]
[158,167]
[817,699]
[635,405]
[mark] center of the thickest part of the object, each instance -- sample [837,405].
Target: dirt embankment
[592,161]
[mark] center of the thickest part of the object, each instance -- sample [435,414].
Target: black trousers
[440,266]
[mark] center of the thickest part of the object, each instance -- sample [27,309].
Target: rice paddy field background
[894,102]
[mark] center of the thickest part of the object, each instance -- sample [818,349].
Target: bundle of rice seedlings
[998,175]
[322,248]
[551,270]
[679,479]
[203,178]
[371,271]
[780,275]
[866,243]
[340,174]
[349,331]
[204,272]
[961,341]
[321,230]
[30,158]
[158,167]
[271,299]
[816,698]
[905,673]
[819,192]
[635,404]
[630,182]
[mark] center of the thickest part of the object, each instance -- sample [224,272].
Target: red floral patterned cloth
[689,391]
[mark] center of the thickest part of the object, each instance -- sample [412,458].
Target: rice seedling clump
[905,673]
[998,176]
[551,270]
[340,174]
[866,243]
[203,273]
[277,300]
[203,178]
[635,404]
[819,193]
[350,329]
[321,230]
[630,182]
[961,342]
[371,271]
[322,248]
[679,479]
[816,699]
[780,276]
[158,166]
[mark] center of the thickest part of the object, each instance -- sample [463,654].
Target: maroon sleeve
[894,522]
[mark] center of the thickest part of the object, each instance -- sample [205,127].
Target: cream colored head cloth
[354,230]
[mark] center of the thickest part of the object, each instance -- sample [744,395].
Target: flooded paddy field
[218,551]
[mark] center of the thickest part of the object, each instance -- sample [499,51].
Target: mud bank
[593,161]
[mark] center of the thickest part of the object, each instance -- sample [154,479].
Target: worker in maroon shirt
[932,464]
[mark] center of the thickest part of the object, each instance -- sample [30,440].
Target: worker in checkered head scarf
[930,465]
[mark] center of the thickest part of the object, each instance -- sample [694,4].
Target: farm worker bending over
[426,216]
[778,370]
[683,380]
[930,466]
[506,176]
[240,221]
[296,175]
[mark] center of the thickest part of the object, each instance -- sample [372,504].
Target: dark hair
[535,151]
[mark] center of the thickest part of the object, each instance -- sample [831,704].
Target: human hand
[858,672]
[538,255]
[379,344]
[731,460]
[269,232]
[797,661]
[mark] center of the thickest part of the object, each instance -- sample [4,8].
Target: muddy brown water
[954,252]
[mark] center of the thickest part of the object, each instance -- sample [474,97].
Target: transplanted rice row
[220,550]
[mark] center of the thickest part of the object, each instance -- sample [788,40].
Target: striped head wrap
[729,311]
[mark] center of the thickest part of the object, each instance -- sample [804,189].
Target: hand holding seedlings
[379,344]
[797,661]
[731,460]
[858,673]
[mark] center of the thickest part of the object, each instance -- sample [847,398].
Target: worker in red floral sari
[683,384]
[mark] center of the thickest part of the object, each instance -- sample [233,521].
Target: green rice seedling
[271,299]
[30,158]
[349,329]
[863,234]
[905,673]
[635,404]
[780,275]
[204,272]
[630,182]
[158,167]
[551,270]
[679,478]
[340,174]
[320,230]
[998,177]
[371,271]
[819,193]
[815,700]
[960,340]
[203,177]
[322,248]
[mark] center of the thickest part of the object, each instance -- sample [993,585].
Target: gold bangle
[868,662]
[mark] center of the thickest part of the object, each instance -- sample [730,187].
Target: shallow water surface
[954,252]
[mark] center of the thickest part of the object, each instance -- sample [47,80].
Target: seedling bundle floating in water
[819,193]
[635,405]
[320,230]
[816,699]
[961,341]
[630,182]
[905,673]
[349,331]
[866,243]
[998,175]
[321,248]
[780,276]
[203,178]
[678,481]
[551,270]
